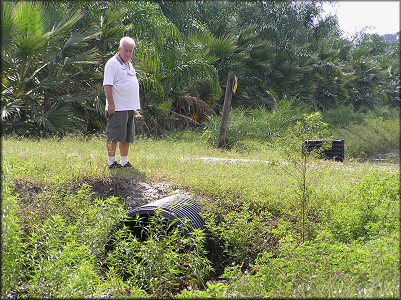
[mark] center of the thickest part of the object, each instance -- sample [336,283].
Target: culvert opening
[177,211]
[157,241]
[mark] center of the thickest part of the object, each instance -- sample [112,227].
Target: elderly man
[122,102]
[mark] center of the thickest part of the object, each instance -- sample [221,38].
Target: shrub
[371,210]
[322,268]
[240,236]
[164,262]
[62,246]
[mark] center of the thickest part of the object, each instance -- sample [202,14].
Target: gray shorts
[120,126]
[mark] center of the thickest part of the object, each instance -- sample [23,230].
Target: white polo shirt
[124,82]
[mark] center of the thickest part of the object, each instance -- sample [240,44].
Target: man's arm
[108,91]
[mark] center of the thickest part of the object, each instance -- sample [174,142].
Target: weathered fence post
[231,80]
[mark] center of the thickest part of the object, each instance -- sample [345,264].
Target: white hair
[127,40]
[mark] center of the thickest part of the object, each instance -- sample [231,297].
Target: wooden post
[226,108]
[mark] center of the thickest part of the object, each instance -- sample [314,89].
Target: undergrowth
[354,255]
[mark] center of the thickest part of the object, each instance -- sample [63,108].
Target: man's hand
[137,114]
[111,109]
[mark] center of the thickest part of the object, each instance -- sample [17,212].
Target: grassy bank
[260,200]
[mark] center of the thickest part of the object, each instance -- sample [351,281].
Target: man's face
[125,52]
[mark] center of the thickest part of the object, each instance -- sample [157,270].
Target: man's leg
[111,151]
[129,138]
[124,147]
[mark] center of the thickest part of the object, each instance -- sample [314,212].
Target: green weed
[11,242]
[343,116]
[322,268]
[213,290]
[370,210]
[163,262]
[240,235]
[377,133]
[61,247]
[339,261]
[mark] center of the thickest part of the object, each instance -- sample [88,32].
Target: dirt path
[134,192]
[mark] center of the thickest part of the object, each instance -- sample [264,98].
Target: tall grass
[255,125]
[366,134]
[55,228]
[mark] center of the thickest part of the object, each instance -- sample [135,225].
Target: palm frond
[197,69]
[8,23]
[222,47]
[11,108]
[57,119]
[71,17]
[150,22]
[192,107]
[87,57]
[247,35]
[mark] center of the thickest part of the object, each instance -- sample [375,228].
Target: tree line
[53,55]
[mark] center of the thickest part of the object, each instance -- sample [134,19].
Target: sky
[382,17]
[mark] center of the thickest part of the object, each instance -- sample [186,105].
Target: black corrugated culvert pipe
[183,211]
[327,149]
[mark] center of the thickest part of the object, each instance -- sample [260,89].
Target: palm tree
[104,20]
[170,65]
[53,57]
[42,65]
